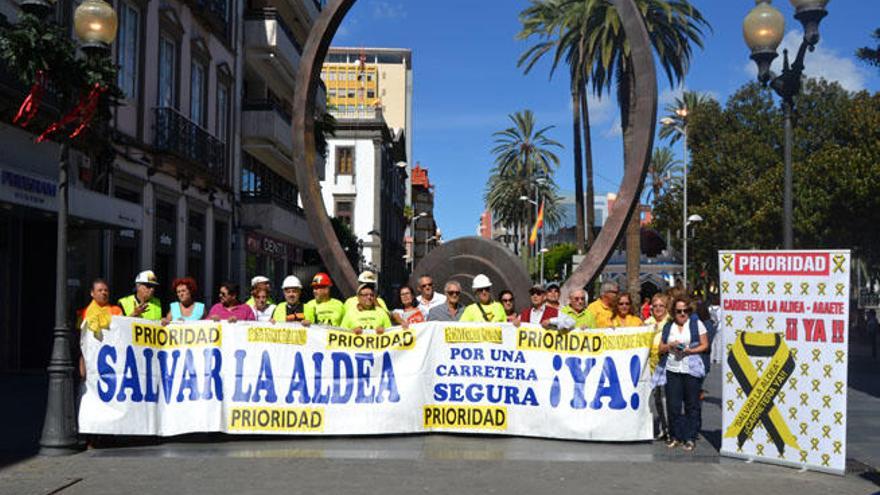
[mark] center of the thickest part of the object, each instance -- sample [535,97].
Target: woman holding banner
[681,369]
[411,312]
[658,319]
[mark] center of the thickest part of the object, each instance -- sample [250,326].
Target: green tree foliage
[871,55]
[663,173]
[735,180]
[558,261]
[524,149]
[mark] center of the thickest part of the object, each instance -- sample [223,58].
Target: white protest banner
[145,379]
[785,316]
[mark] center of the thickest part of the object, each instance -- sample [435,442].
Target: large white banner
[785,319]
[145,379]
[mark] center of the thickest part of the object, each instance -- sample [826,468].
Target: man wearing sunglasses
[428,299]
[485,310]
[541,313]
[452,310]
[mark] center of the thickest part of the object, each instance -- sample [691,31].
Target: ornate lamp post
[95,25]
[763,30]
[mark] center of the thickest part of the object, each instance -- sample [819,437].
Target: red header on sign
[804,264]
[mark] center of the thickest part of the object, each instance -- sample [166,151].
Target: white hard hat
[291,282]
[482,282]
[147,277]
[367,277]
[259,279]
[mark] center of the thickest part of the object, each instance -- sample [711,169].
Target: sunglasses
[426,285]
[682,311]
[623,304]
[453,292]
[481,290]
[507,300]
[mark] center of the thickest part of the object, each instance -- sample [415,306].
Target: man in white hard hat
[292,309]
[143,303]
[367,278]
[485,309]
[257,283]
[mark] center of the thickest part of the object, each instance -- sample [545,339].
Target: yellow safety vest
[153,311]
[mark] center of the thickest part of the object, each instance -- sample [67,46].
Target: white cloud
[388,10]
[823,62]
[615,131]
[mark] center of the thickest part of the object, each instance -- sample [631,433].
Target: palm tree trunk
[578,170]
[633,240]
[588,160]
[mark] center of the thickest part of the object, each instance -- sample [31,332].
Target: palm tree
[871,55]
[523,149]
[678,111]
[524,163]
[673,27]
[560,27]
[663,173]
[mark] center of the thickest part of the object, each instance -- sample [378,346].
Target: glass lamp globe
[95,23]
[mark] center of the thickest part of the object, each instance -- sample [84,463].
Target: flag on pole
[538,224]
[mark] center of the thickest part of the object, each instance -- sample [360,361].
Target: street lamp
[682,129]
[763,30]
[684,261]
[95,25]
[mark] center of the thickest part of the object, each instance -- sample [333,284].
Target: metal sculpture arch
[643,115]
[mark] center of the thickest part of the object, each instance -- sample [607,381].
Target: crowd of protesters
[679,358]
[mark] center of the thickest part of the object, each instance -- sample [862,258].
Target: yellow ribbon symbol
[739,392]
[755,287]
[759,365]
[803,456]
[761,390]
[730,405]
[825,431]
[839,289]
[805,368]
[771,288]
[781,396]
[825,459]
[826,401]
[817,353]
[815,414]
[837,446]
[838,418]
[749,321]
[759,449]
[739,287]
[788,286]
[805,288]
[729,320]
[821,287]
[804,398]
[827,370]
[792,383]
[804,427]
[838,356]
[727,259]
[814,443]
[838,260]
[770,321]
[729,377]
[838,387]
[725,287]
[792,413]
[816,384]
[794,353]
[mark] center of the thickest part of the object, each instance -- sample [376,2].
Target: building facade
[424,232]
[359,80]
[172,198]
[364,187]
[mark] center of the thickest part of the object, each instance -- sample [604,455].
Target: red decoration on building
[31,104]
[83,112]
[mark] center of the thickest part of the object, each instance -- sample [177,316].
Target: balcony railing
[268,104]
[183,138]
[259,184]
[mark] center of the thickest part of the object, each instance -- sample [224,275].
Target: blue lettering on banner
[608,385]
[265,381]
[190,378]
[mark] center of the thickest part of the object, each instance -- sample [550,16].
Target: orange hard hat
[321,279]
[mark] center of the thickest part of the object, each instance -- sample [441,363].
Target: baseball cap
[551,285]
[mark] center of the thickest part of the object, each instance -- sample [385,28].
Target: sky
[466,83]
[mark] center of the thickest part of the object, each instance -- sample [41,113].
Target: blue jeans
[683,391]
